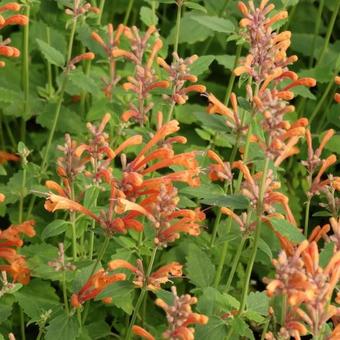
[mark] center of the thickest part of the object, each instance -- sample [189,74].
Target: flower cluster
[81,7]
[153,281]
[113,40]
[16,19]
[158,199]
[337,95]
[10,241]
[307,287]
[179,73]
[96,284]
[179,315]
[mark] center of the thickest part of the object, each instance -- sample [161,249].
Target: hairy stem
[128,12]
[178,25]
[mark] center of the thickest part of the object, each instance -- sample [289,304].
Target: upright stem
[101,8]
[329,30]
[232,76]
[22,195]
[257,236]
[141,296]
[178,25]
[61,97]
[316,30]
[49,66]
[235,263]
[307,216]
[22,324]
[128,12]
[65,294]
[25,75]
[226,243]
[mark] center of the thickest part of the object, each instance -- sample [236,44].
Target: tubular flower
[144,79]
[112,43]
[16,19]
[179,74]
[233,120]
[267,63]
[5,157]
[94,286]
[180,316]
[337,95]
[307,286]
[220,171]
[250,188]
[314,161]
[139,331]
[155,280]
[9,240]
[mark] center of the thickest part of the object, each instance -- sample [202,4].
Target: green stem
[128,12]
[74,236]
[22,195]
[329,31]
[307,216]
[9,133]
[65,294]
[321,101]
[235,263]
[25,75]
[49,66]
[178,25]
[226,243]
[232,76]
[101,8]
[316,30]
[22,324]
[99,258]
[257,236]
[141,296]
[265,328]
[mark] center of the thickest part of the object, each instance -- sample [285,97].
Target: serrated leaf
[54,228]
[37,298]
[115,290]
[326,254]
[264,247]
[216,24]
[288,230]
[205,190]
[82,82]
[9,96]
[203,134]
[51,54]
[196,260]
[214,122]
[194,5]
[258,302]
[231,201]
[62,327]
[214,329]
[226,60]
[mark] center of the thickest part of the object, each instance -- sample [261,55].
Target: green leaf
[98,330]
[326,254]
[226,60]
[214,329]
[82,82]
[230,201]
[51,54]
[115,290]
[201,65]
[196,260]
[147,16]
[287,230]
[215,122]
[54,228]
[37,298]
[241,328]
[258,302]
[62,327]
[194,5]
[9,96]
[334,144]
[203,134]
[264,247]
[205,190]
[191,31]
[216,24]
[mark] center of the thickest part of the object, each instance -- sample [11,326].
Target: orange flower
[94,286]
[139,331]
[5,156]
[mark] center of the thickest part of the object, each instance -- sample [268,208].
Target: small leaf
[258,302]
[287,230]
[196,260]
[216,24]
[205,190]
[115,290]
[51,54]
[264,247]
[54,228]
[227,61]
[231,201]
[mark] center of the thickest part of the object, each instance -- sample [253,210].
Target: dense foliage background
[33,92]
